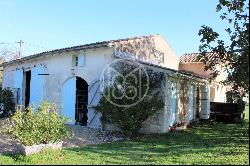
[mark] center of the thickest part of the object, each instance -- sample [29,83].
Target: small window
[78,60]
[74,60]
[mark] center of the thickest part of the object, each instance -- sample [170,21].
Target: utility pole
[20,49]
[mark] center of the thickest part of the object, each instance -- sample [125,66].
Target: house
[190,63]
[70,77]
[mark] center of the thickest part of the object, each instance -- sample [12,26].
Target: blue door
[37,86]
[69,99]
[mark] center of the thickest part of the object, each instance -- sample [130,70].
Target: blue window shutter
[81,60]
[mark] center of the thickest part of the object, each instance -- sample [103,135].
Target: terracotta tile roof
[192,57]
[85,46]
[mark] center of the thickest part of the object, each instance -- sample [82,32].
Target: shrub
[40,126]
[6,98]
[237,98]
[0,81]
[129,119]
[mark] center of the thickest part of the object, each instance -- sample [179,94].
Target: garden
[203,142]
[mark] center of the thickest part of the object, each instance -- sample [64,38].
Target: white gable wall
[171,60]
[58,68]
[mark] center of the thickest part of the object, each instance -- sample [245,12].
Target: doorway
[191,110]
[198,103]
[173,97]
[27,88]
[81,110]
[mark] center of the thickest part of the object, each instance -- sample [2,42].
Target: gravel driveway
[84,136]
[81,136]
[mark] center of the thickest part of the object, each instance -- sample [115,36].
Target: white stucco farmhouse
[70,77]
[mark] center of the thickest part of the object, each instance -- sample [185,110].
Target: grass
[203,143]
[247,112]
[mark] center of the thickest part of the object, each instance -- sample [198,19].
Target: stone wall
[182,103]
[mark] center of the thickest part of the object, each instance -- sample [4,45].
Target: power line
[4,43]
[23,49]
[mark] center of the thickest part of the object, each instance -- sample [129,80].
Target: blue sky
[51,24]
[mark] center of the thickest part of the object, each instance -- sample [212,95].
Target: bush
[235,97]
[6,98]
[41,126]
[129,119]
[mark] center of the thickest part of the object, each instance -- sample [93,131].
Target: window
[78,60]
[159,57]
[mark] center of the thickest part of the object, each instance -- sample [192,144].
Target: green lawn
[247,112]
[202,144]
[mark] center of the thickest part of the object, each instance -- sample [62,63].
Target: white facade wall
[51,73]
[57,69]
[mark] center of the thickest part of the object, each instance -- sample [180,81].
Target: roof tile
[192,57]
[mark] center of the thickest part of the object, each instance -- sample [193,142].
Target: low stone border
[28,150]
[82,136]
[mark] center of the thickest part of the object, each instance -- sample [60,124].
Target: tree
[233,56]
[7,54]
[114,107]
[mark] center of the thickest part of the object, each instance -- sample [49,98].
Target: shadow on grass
[202,141]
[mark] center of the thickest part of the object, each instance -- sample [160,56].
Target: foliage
[247,113]
[143,49]
[1,72]
[236,98]
[40,126]
[1,79]
[6,98]
[129,119]
[184,100]
[8,53]
[203,144]
[234,56]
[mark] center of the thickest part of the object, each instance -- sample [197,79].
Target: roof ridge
[133,38]
[196,53]
[192,57]
[89,45]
